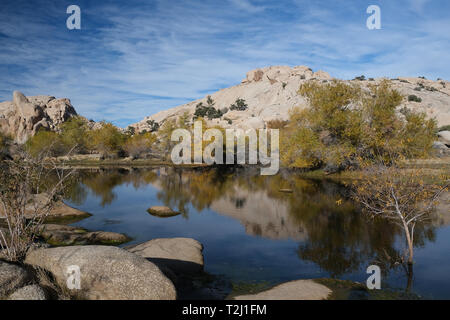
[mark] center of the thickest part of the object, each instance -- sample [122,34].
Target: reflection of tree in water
[342,240]
[101,182]
[198,187]
[339,238]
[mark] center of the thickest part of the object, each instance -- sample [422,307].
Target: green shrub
[208,111]
[414,98]
[73,135]
[48,142]
[444,128]
[154,126]
[239,105]
[107,140]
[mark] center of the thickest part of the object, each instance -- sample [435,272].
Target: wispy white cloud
[134,59]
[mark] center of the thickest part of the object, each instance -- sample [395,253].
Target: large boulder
[293,290]
[58,211]
[107,273]
[180,255]
[12,277]
[31,292]
[444,136]
[272,92]
[62,235]
[24,116]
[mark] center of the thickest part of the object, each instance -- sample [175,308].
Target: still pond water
[253,233]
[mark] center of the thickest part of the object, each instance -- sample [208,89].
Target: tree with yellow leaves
[347,122]
[399,195]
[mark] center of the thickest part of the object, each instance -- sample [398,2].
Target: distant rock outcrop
[271,93]
[22,117]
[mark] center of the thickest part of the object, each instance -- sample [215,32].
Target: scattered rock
[181,255]
[442,150]
[444,136]
[293,290]
[439,145]
[32,292]
[59,211]
[162,212]
[12,277]
[107,273]
[61,235]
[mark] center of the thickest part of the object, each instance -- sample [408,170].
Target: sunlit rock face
[271,92]
[22,117]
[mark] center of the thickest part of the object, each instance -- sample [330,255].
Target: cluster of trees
[239,105]
[75,135]
[349,125]
[210,112]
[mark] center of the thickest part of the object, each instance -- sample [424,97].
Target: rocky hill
[272,91]
[24,116]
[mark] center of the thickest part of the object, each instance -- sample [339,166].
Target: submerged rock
[180,255]
[32,292]
[107,273]
[293,290]
[162,212]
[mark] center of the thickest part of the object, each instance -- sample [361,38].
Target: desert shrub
[444,128]
[164,133]
[27,195]
[131,131]
[154,126]
[107,140]
[347,125]
[47,141]
[414,98]
[73,135]
[239,105]
[5,142]
[139,144]
[276,124]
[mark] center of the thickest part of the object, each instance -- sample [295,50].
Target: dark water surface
[254,233]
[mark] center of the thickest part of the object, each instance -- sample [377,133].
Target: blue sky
[133,58]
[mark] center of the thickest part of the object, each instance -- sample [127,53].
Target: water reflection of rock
[260,215]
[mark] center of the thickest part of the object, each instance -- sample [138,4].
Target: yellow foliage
[347,124]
